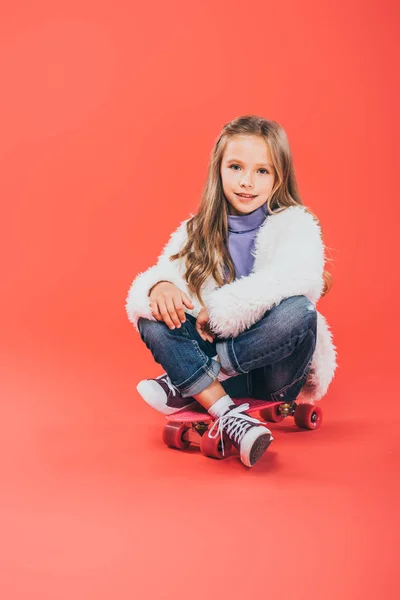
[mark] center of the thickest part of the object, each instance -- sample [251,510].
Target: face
[246,168]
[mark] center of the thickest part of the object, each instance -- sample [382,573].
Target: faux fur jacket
[289,261]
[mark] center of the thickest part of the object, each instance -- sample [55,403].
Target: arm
[138,302]
[295,268]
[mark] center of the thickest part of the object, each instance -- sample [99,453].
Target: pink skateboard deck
[197,413]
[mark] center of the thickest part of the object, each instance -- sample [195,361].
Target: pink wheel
[308,416]
[272,414]
[172,435]
[212,447]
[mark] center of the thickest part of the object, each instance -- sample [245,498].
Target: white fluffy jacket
[289,261]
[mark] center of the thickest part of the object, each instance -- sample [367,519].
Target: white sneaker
[161,394]
[247,434]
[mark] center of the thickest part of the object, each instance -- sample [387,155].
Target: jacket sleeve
[138,301]
[295,267]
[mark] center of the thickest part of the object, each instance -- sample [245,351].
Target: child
[229,308]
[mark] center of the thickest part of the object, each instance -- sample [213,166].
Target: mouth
[246,196]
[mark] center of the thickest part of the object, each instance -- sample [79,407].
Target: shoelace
[169,383]
[235,424]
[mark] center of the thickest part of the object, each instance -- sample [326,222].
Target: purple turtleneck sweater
[242,230]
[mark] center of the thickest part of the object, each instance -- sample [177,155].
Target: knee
[299,310]
[148,329]
[307,310]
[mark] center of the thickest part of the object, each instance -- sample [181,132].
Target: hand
[202,325]
[167,303]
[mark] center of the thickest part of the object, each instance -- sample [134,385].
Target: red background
[108,113]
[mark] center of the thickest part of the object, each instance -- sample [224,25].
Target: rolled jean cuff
[198,383]
[225,358]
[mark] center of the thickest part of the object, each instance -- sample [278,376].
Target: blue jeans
[270,360]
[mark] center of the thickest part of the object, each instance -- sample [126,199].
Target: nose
[246,182]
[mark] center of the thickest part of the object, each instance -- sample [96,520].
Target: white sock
[221,406]
[221,375]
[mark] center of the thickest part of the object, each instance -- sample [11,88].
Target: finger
[155,311]
[199,330]
[186,300]
[209,331]
[164,313]
[179,308]
[172,312]
[203,332]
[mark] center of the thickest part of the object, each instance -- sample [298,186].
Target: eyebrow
[257,165]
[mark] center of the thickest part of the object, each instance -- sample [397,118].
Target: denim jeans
[268,361]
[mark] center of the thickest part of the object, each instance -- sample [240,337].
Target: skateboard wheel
[272,414]
[308,416]
[212,448]
[172,435]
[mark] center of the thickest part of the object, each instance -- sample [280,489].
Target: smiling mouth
[247,196]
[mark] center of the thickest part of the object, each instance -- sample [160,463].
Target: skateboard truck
[287,408]
[200,426]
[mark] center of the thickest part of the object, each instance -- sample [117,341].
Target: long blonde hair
[211,220]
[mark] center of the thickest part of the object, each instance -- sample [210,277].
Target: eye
[266,172]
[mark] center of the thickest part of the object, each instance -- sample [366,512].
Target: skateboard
[188,425]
